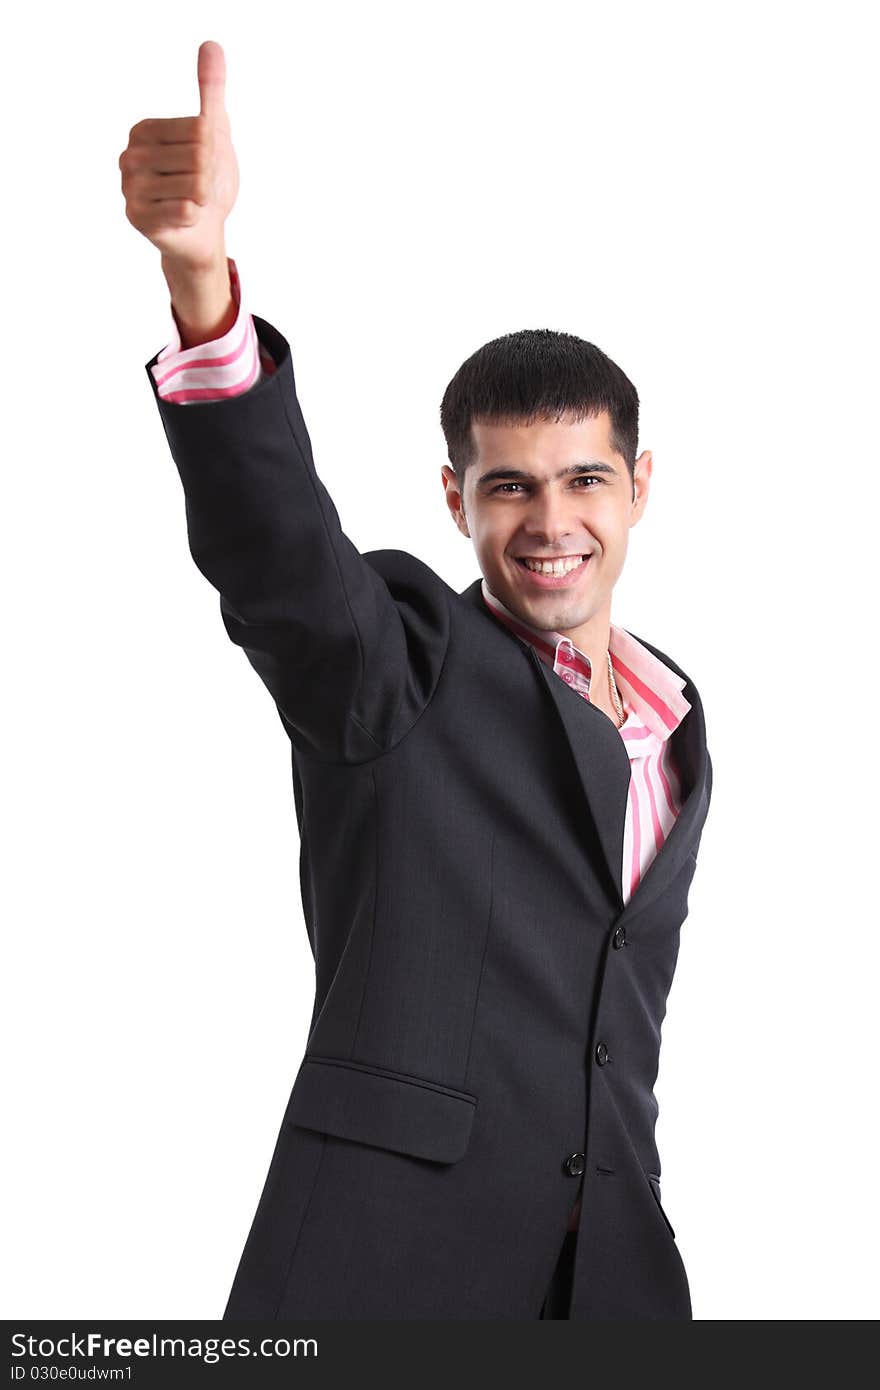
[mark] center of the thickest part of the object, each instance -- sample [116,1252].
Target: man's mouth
[552,572]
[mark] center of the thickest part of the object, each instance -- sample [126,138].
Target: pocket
[390,1109]
[654,1184]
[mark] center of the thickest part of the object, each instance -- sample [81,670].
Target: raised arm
[349,647]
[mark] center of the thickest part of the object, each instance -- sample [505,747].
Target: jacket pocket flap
[373,1105]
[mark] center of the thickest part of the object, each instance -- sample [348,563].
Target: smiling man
[550,506]
[500,796]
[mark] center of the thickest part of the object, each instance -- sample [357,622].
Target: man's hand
[180,180]
[180,175]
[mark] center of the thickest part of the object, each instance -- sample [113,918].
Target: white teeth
[554,566]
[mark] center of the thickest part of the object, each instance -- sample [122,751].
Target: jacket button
[619,938]
[601,1054]
[574,1165]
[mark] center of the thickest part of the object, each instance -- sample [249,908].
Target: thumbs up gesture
[180,175]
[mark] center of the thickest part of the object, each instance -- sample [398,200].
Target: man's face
[546,491]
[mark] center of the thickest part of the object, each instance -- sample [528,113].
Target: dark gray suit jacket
[461,813]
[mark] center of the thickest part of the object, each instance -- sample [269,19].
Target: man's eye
[582,478]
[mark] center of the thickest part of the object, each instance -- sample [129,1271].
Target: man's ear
[454,499]
[641,484]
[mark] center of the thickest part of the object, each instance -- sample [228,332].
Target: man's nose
[551,517]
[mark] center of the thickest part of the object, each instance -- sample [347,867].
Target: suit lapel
[602,764]
[604,771]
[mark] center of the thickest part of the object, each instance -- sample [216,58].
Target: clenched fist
[180,176]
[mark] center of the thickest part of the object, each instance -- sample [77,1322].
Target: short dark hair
[537,373]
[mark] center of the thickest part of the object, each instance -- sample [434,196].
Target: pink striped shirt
[654,706]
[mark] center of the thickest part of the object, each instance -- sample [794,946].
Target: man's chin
[541,613]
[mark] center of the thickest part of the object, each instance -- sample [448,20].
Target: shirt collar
[646,684]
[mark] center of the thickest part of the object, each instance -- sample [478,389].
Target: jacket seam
[309,475]
[363,728]
[369,964]
[483,959]
[287,1273]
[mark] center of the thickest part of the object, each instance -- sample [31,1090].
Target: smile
[552,574]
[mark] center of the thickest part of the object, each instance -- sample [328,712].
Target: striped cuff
[212,371]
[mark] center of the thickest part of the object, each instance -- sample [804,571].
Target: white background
[691,188]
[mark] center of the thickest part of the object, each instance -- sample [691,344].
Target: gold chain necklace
[614,695]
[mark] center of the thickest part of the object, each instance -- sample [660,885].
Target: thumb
[212,83]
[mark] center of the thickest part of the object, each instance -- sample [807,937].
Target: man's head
[541,431]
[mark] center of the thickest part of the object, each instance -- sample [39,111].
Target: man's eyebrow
[522,475]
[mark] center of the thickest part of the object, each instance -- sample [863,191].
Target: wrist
[201,299]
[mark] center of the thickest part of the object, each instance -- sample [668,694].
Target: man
[500,797]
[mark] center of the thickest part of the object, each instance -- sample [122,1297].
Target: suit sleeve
[349,650]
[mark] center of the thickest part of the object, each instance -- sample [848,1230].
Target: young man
[500,797]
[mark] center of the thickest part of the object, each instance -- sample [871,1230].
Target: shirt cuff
[212,371]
